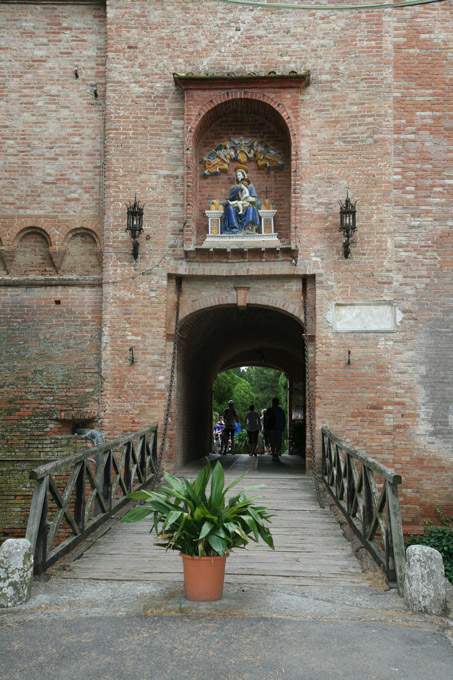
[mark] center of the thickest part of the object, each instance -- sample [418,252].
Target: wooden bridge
[309,546]
[75,496]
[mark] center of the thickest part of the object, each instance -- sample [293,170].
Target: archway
[217,338]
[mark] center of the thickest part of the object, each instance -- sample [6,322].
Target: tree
[228,386]
[266,384]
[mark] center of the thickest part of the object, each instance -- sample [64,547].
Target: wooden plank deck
[310,548]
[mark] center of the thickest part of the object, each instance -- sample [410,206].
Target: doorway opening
[225,338]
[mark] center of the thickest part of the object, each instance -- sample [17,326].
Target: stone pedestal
[215,221]
[267,221]
[424,583]
[16,571]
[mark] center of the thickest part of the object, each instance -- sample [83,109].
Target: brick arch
[206,113]
[77,231]
[81,253]
[32,229]
[253,300]
[32,253]
[257,103]
[216,332]
[89,225]
[310,171]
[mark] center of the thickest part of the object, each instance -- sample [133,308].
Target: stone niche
[246,121]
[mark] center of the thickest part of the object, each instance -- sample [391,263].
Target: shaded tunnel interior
[216,339]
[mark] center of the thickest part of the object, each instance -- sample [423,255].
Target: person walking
[252,424]
[276,421]
[230,418]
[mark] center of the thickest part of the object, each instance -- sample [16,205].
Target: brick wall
[50,233]
[372,119]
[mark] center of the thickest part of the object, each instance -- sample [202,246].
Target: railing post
[107,481]
[323,455]
[40,555]
[127,467]
[142,456]
[37,524]
[350,489]
[79,506]
[367,508]
[397,538]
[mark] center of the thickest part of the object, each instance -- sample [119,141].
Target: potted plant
[202,526]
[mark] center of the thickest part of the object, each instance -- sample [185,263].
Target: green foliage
[228,385]
[187,519]
[255,385]
[440,538]
[241,441]
[265,383]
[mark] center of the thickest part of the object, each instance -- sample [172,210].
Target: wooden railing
[75,495]
[367,494]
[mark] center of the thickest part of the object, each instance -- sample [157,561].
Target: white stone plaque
[364,317]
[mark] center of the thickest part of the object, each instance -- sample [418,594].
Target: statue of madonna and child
[240,209]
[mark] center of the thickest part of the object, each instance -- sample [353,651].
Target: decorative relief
[364,317]
[242,150]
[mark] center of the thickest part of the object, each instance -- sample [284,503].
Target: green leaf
[217,544]
[174,482]
[201,482]
[136,514]
[172,517]
[256,516]
[252,524]
[205,529]
[233,484]
[217,484]
[140,495]
[267,538]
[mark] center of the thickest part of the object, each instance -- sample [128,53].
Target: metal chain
[170,386]
[310,410]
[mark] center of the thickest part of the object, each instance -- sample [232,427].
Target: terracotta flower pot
[203,577]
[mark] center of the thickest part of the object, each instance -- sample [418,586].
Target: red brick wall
[50,227]
[372,119]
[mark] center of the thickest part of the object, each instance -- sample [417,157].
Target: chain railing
[367,493]
[75,495]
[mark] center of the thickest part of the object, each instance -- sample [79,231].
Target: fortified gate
[284,177]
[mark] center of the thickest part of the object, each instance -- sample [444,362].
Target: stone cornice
[38,281]
[189,81]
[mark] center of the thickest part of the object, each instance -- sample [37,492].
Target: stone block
[16,571]
[424,584]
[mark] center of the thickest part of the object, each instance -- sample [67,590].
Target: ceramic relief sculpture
[242,150]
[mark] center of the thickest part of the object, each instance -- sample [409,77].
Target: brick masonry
[373,119]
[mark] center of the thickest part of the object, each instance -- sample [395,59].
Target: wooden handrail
[371,506]
[63,463]
[73,496]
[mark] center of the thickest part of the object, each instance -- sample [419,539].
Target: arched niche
[249,118]
[82,253]
[32,253]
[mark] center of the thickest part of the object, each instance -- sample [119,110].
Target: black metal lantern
[347,223]
[134,224]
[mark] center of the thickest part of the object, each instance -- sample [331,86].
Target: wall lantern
[347,223]
[134,224]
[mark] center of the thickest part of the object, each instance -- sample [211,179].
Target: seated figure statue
[240,209]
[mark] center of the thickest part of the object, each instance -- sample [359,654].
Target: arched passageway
[215,339]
